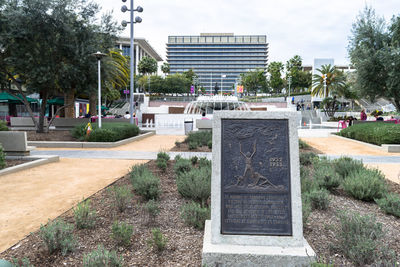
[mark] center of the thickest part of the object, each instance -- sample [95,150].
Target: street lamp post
[99,56]
[290,82]
[222,76]
[124,23]
[324,76]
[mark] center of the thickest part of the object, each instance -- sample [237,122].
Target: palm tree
[335,81]
[117,70]
[165,68]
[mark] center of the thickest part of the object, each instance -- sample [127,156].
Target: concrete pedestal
[241,255]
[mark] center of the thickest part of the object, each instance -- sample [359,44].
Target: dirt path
[337,146]
[29,198]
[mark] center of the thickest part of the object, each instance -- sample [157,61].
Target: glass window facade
[217,58]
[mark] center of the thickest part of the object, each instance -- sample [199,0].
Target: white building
[142,49]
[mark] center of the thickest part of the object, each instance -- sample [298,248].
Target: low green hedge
[375,133]
[109,132]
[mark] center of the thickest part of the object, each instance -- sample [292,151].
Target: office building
[142,49]
[217,58]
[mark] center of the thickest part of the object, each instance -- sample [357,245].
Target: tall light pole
[99,56]
[222,76]
[124,23]
[290,82]
[324,77]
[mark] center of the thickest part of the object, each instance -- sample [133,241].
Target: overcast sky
[309,28]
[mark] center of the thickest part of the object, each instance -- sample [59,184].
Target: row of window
[216,75]
[217,45]
[198,71]
[230,54]
[200,59]
[230,62]
[218,39]
[219,66]
[211,49]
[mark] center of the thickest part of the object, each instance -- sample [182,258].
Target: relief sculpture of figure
[259,179]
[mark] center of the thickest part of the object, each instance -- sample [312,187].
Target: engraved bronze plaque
[255,177]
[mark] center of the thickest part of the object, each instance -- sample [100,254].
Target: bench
[68,123]
[24,122]
[14,143]
[204,125]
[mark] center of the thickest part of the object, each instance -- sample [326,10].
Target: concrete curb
[36,161]
[58,144]
[390,148]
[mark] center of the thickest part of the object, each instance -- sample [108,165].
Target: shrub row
[193,180]
[375,133]
[359,238]
[321,174]
[110,132]
[198,139]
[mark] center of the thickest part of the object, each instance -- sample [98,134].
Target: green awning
[102,108]
[56,101]
[9,98]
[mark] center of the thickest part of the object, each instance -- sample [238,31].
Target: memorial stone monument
[256,217]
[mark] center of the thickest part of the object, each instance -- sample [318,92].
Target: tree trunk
[92,104]
[397,104]
[23,98]
[69,99]
[41,128]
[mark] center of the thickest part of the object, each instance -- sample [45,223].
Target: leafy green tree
[165,68]
[177,83]
[300,79]
[275,81]
[147,65]
[254,81]
[335,81]
[374,50]
[48,44]
[155,82]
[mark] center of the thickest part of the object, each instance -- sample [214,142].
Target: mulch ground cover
[185,243]
[50,136]
[14,162]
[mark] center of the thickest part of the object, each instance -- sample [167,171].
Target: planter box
[14,143]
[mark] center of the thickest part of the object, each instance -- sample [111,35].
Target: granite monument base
[249,255]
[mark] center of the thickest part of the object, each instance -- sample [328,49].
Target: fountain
[208,104]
